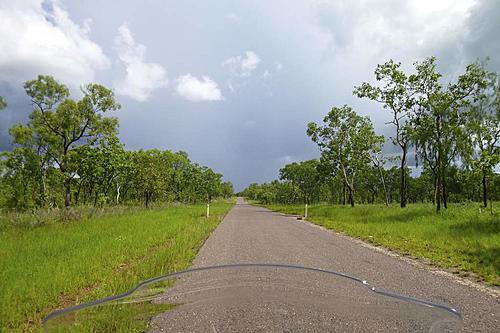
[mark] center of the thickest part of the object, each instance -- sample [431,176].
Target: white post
[208,210]
[305,215]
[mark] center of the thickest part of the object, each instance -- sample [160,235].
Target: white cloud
[142,77]
[196,90]
[242,65]
[38,37]
[403,30]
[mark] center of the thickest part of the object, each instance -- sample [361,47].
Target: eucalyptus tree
[483,129]
[331,181]
[20,185]
[29,163]
[179,177]
[98,170]
[61,124]
[397,95]
[226,189]
[438,124]
[250,191]
[378,161]
[88,160]
[210,183]
[148,180]
[304,176]
[347,140]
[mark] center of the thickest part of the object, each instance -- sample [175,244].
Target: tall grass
[464,238]
[61,264]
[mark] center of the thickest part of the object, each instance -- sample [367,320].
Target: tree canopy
[69,153]
[452,127]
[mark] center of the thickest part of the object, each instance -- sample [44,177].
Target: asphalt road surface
[291,300]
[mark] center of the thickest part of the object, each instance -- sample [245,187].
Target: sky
[233,83]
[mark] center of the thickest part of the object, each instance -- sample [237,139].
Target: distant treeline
[452,129]
[69,154]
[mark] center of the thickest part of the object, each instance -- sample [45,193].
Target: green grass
[61,264]
[463,238]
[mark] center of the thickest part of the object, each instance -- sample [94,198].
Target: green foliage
[346,142]
[438,125]
[397,95]
[454,129]
[482,144]
[58,125]
[69,154]
[303,177]
[210,183]
[3,103]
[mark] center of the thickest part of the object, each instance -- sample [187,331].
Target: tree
[346,140]
[483,133]
[179,179]
[148,179]
[438,124]
[98,170]
[303,175]
[331,181]
[227,190]
[378,161]
[60,124]
[3,103]
[396,94]
[30,159]
[210,183]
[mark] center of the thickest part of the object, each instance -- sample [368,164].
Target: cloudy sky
[233,83]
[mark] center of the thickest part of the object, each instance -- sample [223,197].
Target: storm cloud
[234,84]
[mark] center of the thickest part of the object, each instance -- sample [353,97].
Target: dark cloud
[481,38]
[323,48]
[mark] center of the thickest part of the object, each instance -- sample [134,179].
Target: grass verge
[462,238]
[58,265]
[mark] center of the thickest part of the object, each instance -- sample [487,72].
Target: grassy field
[57,265]
[463,238]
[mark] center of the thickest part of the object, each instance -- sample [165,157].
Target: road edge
[436,270]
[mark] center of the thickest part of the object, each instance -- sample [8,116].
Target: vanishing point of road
[250,234]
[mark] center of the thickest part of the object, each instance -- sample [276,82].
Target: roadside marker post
[305,214]
[208,210]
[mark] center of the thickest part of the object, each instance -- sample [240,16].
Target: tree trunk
[118,193]
[383,185]
[67,192]
[445,194]
[438,193]
[343,193]
[77,194]
[434,183]
[439,166]
[333,192]
[351,196]
[402,188]
[485,191]
[44,189]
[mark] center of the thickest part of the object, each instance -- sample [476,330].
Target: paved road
[256,235]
